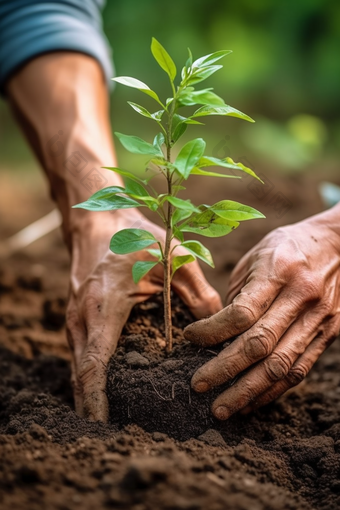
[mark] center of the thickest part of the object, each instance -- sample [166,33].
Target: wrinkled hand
[102,296]
[284,309]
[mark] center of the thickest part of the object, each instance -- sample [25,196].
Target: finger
[297,373]
[246,309]
[192,287]
[266,374]
[104,321]
[257,343]
[76,337]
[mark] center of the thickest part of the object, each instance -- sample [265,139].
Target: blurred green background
[284,71]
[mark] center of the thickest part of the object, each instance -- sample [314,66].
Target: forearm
[61,102]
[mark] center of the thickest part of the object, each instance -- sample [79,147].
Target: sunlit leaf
[202,74]
[180,260]
[208,224]
[141,268]
[226,110]
[163,58]
[240,166]
[130,240]
[212,230]
[137,84]
[204,97]
[200,251]
[235,211]
[188,156]
[211,58]
[198,171]
[143,111]
[158,142]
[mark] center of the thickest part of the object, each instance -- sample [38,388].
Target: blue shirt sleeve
[29,28]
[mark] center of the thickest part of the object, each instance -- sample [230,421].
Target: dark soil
[152,389]
[163,449]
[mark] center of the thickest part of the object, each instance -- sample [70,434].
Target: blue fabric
[29,28]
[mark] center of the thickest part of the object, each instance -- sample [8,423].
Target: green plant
[177,214]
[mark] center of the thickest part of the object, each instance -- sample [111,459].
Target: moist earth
[162,448]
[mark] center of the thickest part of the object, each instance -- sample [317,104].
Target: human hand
[102,296]
[283,307]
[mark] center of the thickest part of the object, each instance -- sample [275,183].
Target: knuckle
[276,366]
[261,344]
[297,374]
[242,313]
[310,286]
[249,393]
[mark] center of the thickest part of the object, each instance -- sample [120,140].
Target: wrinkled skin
[102,298]
[61,102]
[283,307]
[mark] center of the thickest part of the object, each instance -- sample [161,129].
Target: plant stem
[167,274]
[168,238]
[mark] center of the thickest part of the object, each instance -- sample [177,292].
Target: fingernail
[221,413]
[201,386]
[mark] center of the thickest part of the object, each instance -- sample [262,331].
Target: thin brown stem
[168,238]
[167,274]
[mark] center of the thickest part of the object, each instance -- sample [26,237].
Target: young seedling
[177,214]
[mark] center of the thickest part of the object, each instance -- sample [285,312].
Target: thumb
[192,287]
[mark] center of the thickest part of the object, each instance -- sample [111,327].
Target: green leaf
[133,187]
[124,173]
[202,74]
[163,58]
[211,161]
[185,205]
[200,251]
[178,234]
[235,211]
[188,156]
[211,58]
[189,61]
[137,84]
[205,97]
[180,260]
[180,215]
[140,109]
[221,110]
[240,166]
[179,125]
[141,268]
[107,200]
[143,111]
[158,142]
[136,190]
[130,240]
[177,187]
[136,145]
[178,131]
[213,230]
[198,171]
[155,252]
[208,224]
